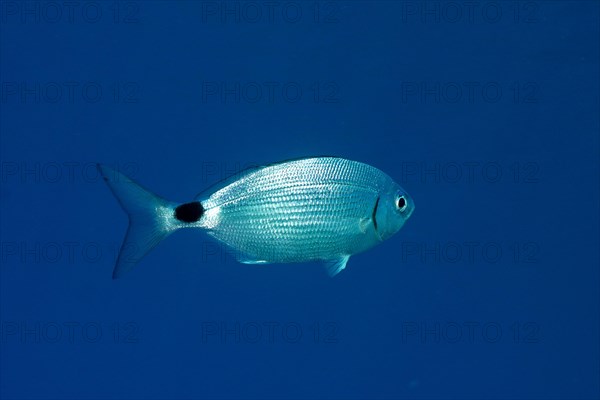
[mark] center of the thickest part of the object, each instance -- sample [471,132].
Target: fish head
[395,207]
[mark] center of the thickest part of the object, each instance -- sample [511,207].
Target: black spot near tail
[189,212]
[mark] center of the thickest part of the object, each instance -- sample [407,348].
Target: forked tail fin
[151,218]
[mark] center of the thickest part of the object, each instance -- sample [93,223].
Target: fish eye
[401,203]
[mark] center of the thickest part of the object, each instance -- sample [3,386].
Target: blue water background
[434,312]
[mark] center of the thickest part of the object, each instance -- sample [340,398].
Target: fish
[309,209]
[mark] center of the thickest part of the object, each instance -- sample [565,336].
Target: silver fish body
[303,210]
[322,208]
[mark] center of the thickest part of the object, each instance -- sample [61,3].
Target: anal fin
[336,265]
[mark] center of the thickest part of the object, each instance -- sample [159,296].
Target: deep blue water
[486,113]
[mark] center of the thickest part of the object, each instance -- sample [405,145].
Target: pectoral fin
[334,266]
[364,225]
